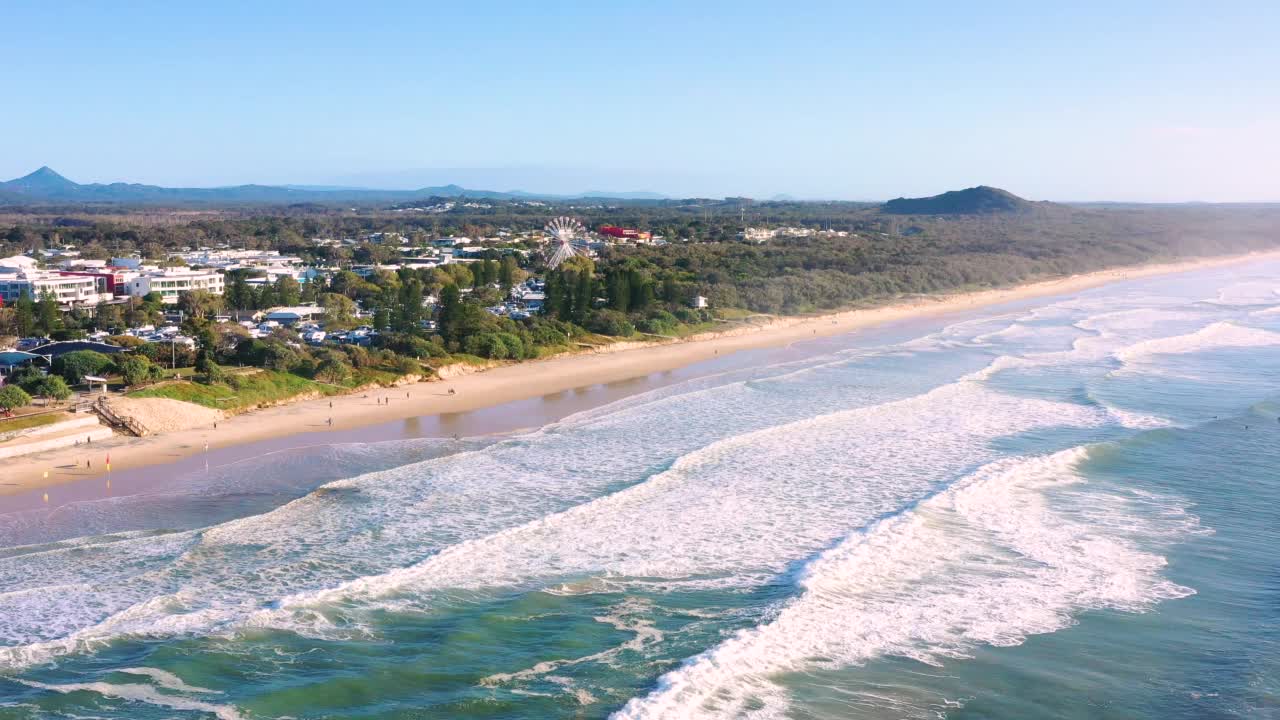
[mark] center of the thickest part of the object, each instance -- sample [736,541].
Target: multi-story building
[69,290]
[172,281]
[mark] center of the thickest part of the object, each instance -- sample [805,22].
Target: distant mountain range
[47,186]
[979,200]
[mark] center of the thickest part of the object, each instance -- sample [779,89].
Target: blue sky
[1152,101]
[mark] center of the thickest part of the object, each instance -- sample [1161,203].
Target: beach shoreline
[520,381]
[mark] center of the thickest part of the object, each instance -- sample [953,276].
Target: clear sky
[1156,101]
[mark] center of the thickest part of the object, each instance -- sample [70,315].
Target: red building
[624,233]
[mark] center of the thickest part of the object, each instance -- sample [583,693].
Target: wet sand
[500,399]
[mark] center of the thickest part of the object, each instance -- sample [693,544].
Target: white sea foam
[141,694]
[1218,335]
[706,520]
[1252,292]
[987,562]
[632,615]
[1136,319]
[166,679]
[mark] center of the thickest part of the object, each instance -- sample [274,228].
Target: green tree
[134,369]
[450,311]
[238,295]
[618,287]
[25,315]
[108,316]
[13,397]
[51,387]
[288,291]
[74,366]
[407,315]
[583,296]
[332,370]
[48,315]
[507,272]
[198,303]
[153,302]
[339,311]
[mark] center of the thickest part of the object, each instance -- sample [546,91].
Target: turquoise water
[1061,509]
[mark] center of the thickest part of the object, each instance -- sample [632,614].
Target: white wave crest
[988,561]
[1218,335]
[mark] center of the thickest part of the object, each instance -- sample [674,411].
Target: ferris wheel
[564,230]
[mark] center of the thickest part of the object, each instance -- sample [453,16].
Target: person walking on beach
[330,421]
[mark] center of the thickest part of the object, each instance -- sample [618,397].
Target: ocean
[1060,508]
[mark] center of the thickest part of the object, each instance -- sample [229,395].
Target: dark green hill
[979,200]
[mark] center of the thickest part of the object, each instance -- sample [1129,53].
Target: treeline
[621,296]
[924,255]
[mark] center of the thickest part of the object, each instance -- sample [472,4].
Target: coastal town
[83,336]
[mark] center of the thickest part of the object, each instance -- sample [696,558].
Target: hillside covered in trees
[970,201]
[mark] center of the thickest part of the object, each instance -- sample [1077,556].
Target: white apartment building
[172,281]
[69,290]
[232,259]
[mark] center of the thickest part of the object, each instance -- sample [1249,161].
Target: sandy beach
[507,383]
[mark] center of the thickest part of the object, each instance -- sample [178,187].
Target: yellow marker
[108,467]
[46,474]
[46,497]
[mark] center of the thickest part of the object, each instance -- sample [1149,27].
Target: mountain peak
[43,180]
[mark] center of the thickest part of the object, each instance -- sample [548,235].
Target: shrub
[278,356]
[52,387]
[688,315]
[659,322]
[213,372]
[332,370]
[357,356]
[13,397]
[412,345]
[547,334]
[135,369]
[609,322]
[251,352]
[406,366]
[126,341]
[487,345]
[26,378]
